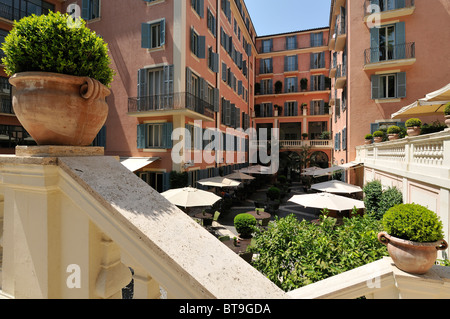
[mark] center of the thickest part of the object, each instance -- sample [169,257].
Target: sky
[281,16]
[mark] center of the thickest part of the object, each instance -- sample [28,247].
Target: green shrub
[389,198]
[372,194]
[393,130]
[244,224]
[273,193]
[413,222]
[368,137]
[378,134]
[413,122]
[447,109]
[435,127]
[293,254]
[47,43]
[282,179]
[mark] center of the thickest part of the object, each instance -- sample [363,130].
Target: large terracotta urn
[447,120]
[412,257]
[59,109]
[413,130]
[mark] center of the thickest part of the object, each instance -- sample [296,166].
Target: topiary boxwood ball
[244,224]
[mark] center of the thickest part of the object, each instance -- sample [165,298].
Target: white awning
[136,163]
[331,170]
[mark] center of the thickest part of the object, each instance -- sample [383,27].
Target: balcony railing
[296,143]
[24,9]
[390,53]
[165,102]
[378,6]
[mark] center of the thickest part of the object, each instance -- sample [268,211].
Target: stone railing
[74,222]
[424,157]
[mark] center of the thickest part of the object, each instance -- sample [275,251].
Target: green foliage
[413,222]
[178,180]
[293,254]
[245,224]
[393,129]
[368,137]
[378,134]
[273,193]
[447,109]
[47,43]
[325,135]
[413,122]
[389,198]
[372,194]
[435,127]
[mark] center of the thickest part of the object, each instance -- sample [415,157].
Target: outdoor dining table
[260,216]
[205,217]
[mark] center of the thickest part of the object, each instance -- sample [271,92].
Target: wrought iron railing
[175,101]
[389,53]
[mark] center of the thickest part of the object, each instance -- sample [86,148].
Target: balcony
[387,9]
[340,33]
[390,57]
[171,104]
[24,9]
[296,144]
[341,76]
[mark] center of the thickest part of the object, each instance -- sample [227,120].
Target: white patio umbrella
[190,197]
[219,181]
[336,187]
[328,201]
[239,175]
[255,169]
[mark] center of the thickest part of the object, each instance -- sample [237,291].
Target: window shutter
[295,108]
[168,80]
[142,88]
[201,7]
[201,49]
[215,62]
[270,110]
[401,85]
[189,93]
[216,100]
[142,136]
[285,109]
[224,72]
[374,45]
[399,4]
[400,40]
[233,115]
[344,139]
[322,107]
[162,28]
[166,182]
[227,113]
[85,10]
[167,137]
[375,87]
[322,60]
[311,108]
[311,81]
[270,86]
[374,127]
[238,118]
[145,35]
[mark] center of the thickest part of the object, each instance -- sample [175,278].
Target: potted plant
[413,235]
[304,84]
[244,224]
[60,72]
[447,114]
[278,87]
[378,136]
[368,139]
[305,136]
[393,132]
[413,126]
[304,109]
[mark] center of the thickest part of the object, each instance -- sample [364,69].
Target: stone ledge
[58,151]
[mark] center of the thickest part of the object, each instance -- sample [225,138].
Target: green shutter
[85,9]
[145,35]
[201,48]
[162,28]
[142,136]
[375,86]
[374,45]
[166,182]
[167,135]
[400,41]
[401,85]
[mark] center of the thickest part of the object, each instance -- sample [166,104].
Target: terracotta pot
[378,139]
[412,257]
[447,120]
[59,109]
[413,131]
[367,142]
[393,137]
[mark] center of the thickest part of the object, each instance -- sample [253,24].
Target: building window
[291,63]
[315,129]
[197,44]
[266,86]
[317,83]
[317,107]
[211,22]
[90,9]
[291,109]
[198,6]
[154,136]
[291,85]
[266,66]
[389,86]
[317,60]
[291,43]
[155,180]
[267,46]
[388,43]
[316,39]
[153,34]
[15,10]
